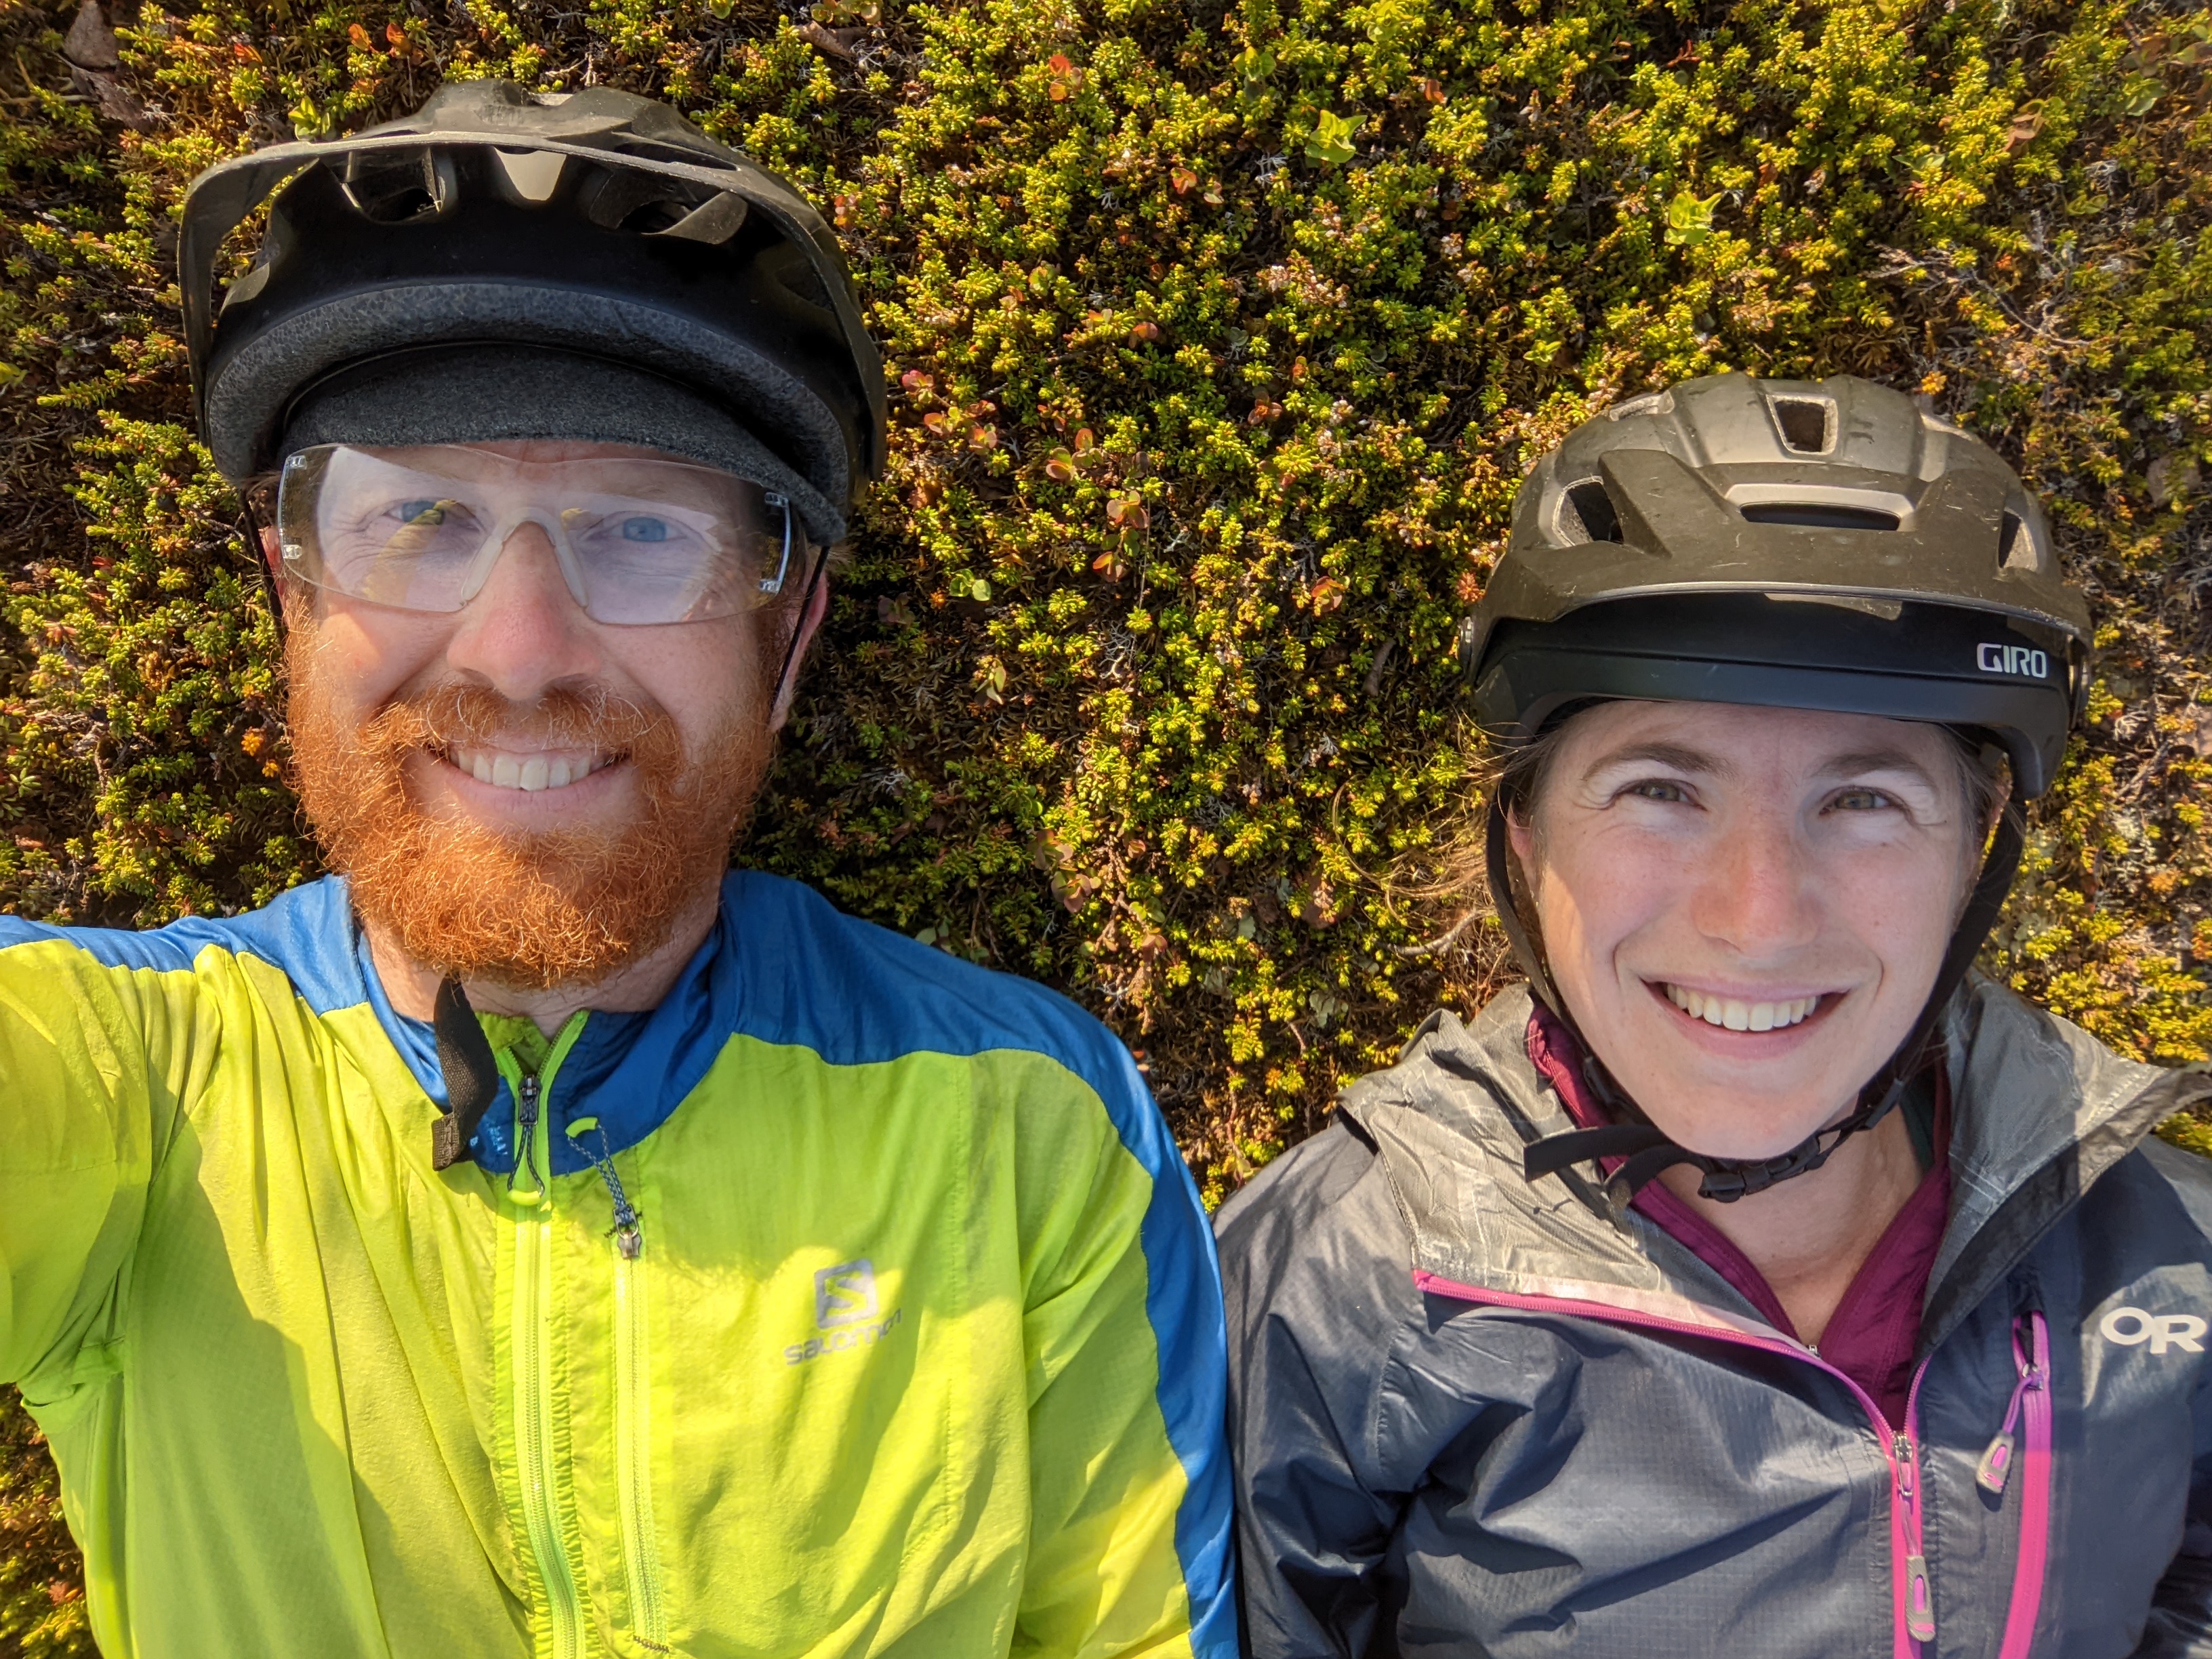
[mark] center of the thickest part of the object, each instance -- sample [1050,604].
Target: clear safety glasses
[639,540]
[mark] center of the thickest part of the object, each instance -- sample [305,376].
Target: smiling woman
[1755,1211]
[1746,909]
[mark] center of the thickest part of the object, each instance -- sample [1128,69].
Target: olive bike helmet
[1792,544]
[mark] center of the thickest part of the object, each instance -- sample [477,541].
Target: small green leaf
[980,590]
[9,376]
[1331,143]
[1690,219]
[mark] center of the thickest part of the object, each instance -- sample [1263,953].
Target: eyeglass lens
[644,540]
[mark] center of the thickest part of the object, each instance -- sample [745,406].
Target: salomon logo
[2129,1327]
[2012,660]
[845,1311]
[845,1294]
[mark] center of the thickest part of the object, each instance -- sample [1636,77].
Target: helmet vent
[2016,549]
[1818,515]
[1589,511]
[391,188]
[714,220]
[643,204]
[651,218]
[533,173]
[1805,423]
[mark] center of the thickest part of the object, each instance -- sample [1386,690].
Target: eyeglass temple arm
[787,675]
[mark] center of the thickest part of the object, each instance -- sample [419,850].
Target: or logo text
[2131,1326]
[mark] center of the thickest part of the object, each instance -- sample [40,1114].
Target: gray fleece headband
[501,393]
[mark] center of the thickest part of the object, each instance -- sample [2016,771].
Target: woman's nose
[1758,892]
[523,632]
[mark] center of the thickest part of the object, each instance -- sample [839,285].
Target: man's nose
[1758,892]
[524,632]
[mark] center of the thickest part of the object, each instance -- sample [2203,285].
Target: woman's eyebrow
[1672,755]
[1875,760]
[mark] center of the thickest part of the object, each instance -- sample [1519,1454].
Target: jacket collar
[2045,1109]
[629,1070]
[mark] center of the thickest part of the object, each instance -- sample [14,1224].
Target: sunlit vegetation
[1218,340]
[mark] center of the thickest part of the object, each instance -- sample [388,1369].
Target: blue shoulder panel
[308,934]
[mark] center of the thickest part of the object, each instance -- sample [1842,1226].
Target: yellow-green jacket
[920,1350]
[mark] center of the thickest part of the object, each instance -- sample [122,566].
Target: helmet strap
[1497,860]
[1646,1148]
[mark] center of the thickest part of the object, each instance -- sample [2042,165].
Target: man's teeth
[1737,1016]
[507,772]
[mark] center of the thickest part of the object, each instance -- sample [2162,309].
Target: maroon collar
[1871,1336]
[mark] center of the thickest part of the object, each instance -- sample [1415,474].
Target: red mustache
[455,716]
[534,910]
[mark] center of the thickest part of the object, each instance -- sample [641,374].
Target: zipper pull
[1904,1467]
[629,1229]
[1919,1606]
[1996,1467]
[525,1146]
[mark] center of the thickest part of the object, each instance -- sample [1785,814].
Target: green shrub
[1220,337]
[42,1613]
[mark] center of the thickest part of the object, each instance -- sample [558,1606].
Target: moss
[1218,338]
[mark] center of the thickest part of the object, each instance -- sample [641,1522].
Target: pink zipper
[2031,1399]
[1919,1597]
[1914,1605]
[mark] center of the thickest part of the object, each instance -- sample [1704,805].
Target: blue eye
[644,529]
[423,513]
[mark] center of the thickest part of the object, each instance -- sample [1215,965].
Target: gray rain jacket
[1476,1416]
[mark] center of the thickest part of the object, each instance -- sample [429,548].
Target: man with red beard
[535,1238]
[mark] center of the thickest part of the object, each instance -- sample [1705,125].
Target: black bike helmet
[1793,544]
[504,265]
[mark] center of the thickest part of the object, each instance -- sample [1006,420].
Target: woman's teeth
[1737,1016]
[537,772]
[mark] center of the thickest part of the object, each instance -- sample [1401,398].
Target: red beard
[528,910]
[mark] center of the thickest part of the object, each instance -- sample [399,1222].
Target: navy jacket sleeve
[1314,1265]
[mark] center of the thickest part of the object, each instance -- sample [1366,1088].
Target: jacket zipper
[2031,1401]
[530,1341]
[634,1447]
[633,1404]
[1908,1566]
[1919,1604]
